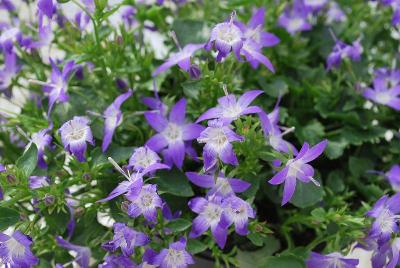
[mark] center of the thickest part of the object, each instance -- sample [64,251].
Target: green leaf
[190,31]
[173,182]
[278,87]
[27,162]
[284,261]
[8,217]
[312,132]
[256,239]
[191,89]
[358,166]
[118,153]
[335,181]
[57,220]
[259,257]
[306,194]
[335,149]
[178,225]
[195,246]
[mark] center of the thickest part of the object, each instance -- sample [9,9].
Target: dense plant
[163,133]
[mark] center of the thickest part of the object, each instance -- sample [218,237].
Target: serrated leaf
[178,225]
[28,161]
[8,217]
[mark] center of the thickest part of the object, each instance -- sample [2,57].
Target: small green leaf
[8,217]
[335,181]
[306,194]
[173,182]
[195,246]
[178,225]
[358,166]
[256,239]
[284,261]
[27,162]
[190,31]
[57,220]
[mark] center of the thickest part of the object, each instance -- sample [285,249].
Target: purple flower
[145,203]
[226,37]
[385,96]
[298,168]
[2,168]
[315,5]
[126,239]
[332,260]
[15,250]
[386,78]
[145,160]
[395,248]
[74,135]
[10,70]
[182,58]
[237,212]
[41,139]
[113,118]
[9,36]
[175,256]
[393,176]
[230,109]
[172,133]
[294,18]
[46,10]
[385,213]
[341,51]
[113,261]
[7,5]
[217,138]
[209,217]
[252,52]
[57,87]
[36,182]
[221,185]
[83,254]
[128,16]
[148,258]
[335,13]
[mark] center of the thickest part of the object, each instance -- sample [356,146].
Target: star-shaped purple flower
[341,51]
[10,69]
[174,256]
[145,160]
[145,203]
[298,168]
[42,140]
[15,250]
[331,260]
[172,134]
[236,211]
[83,254]
[385,96]
[295,18]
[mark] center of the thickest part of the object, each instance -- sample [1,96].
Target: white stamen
[118,168]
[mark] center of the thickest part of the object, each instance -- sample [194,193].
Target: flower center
[295,24]
[216,138]
[172,133]
[228,33]
[213,213]
[383,97]
[146,200]
[175,258]
[15,248]
[77,133]
[232,111]
[223,186]
[387,221]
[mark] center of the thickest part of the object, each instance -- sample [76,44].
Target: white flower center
[294,167]
[383,97]
[144,158]
[212,213]
[232,111]
[172,133]
[217,139]
[229,33]
[15,248]
[146,200]
[175,258]
[387,221]
[78,132]
[295,24]
[223,186]
[314,2]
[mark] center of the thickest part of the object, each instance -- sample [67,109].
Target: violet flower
[172,133]
[220,186]
[298,168]
[226,37]
[145,160]
[74,135]
[15,250]
[332,260]
[335,13]
[36,182]
[315,5]
[7,5]
[252,52]
[229,108]
[112,261]
[341,51]
[385,213]
[113,118]
[83,254]
[236,211]
[126,239]
[385,96]
[42,140]
[181,58]
[46,9]
[175,256]
[217,138]
[209,217]
[395,248]
[145,203]
[57,87]
[2,168]
[148,258]
[10,69]
[393,176]
[294,18]
[386,78]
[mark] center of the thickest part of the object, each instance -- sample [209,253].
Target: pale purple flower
[386,78]
[385,211]
[175,256]
[181,58]
[335,13]
[332,260]
[15,250]
[298,168]
[128,16]
[148,258]
[221,185]
[2,168]
[209,217]
[252,52]
[7,5]
[172,134]
[126,239]
[393,176]
[112,261]
[46,10]
[74,135]
[236,211]
[341,51]
[226,37]
[295,18]
[57,87]
[42,140]
[229,108]
[385,96]
[145,160]
[36,182]
[113,118]
[217,138]
[395,250]
[10,69]
[315,5]
[81,20]
[9,36]
[145,203]
[82,253]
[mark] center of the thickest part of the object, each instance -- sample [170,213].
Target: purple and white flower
[173,133]
[15,250]
[42,140]
[335,13]
[145,160]
[126,239]
[46,10]
[7,5]
[315,5]
[209,217]
[112,261]
[341,51]
[220,186]
[175,256]
[148,258]
[10,69]
[298,168]
[74,135]
[36,182]
[217,138]
[236,211]
[83,254]
[145,203]
[113,118]
[386,78]
[393,176]
[295,18]
[332,260]
[252,52]
[229,108]
[385,96]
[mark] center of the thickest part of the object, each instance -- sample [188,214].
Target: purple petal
[245,100]
[157,142]
[197,204]
[156,121]
[191,131]
[178,112]
[314,151]
[211,113]
[228,156]
[204,181]
[119,190]
[239,186]
[288,190]
[279,177]
[257,18]
[177,151]
[220,234]
[199,226]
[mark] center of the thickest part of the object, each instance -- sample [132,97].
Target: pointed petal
[178,112]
